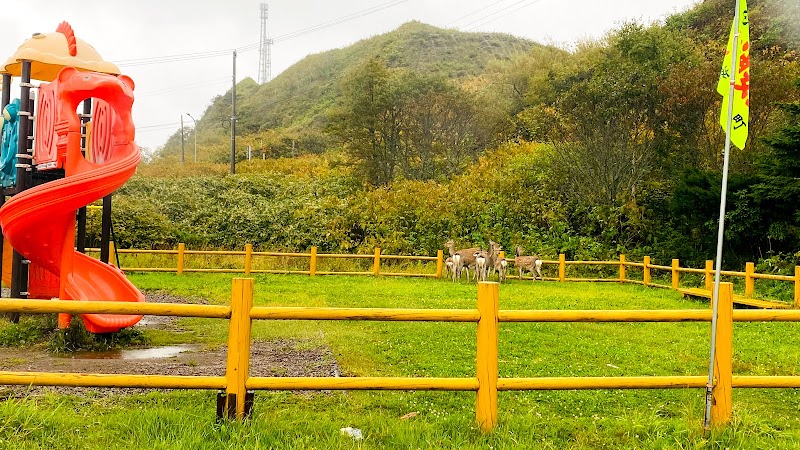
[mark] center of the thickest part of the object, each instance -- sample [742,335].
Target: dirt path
[267,359]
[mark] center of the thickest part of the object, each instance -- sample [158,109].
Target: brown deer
[532,264]
[466,257]
[500,266]
[481,265]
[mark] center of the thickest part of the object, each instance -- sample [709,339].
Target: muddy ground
[267,359]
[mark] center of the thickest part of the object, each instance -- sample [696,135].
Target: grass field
[541,419]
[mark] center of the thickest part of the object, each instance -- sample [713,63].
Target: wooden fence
[646,266]
[238,385]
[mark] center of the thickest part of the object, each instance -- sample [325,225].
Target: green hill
[297,103]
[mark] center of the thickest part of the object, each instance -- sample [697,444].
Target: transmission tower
[264,49]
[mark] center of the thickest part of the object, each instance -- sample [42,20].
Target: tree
[779,185]
[400,124]
[439,123]
[367,121]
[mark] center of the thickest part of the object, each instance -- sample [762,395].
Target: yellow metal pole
[676,276]
[376,265]
[181,256]
[238,362]
[111,253]
[797,286]
[248,258]
[359,383]
[646,270]
[749,281]
[709,275]
[439,263]
[622,268]
[487,358]
[562,267]
[112,380]
[312,265]
[721,394]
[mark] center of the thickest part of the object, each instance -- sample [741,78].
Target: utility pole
[183,143]
[233,118]
[195,136]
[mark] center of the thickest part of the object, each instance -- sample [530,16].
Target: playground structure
[73,161]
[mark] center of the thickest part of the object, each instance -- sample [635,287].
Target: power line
[474,12]
[172,58]
[158,125]
[249,47]
[500,16]
[338,21]
[184,87]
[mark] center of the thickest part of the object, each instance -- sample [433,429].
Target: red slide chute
[40,222]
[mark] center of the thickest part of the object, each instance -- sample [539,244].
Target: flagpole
[721,229]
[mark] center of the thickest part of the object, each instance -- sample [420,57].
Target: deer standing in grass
[492,255]
[451,266]
[532,264]
[466,257]
[498,264]
[481,265]
[501,267]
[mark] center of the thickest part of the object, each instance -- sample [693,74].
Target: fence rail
[486,383]
[561,264]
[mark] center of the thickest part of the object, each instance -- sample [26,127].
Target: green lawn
[541,419]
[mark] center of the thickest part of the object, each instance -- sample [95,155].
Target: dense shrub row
[508,196]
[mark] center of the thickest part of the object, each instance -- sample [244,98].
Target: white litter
[354,433]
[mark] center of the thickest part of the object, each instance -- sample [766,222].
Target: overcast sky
[126,31]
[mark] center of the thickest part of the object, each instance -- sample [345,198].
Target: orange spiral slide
[40,222]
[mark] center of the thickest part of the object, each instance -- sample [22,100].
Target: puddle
[169,351]
[153,321]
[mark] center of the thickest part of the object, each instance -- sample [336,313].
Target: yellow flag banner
[741,78]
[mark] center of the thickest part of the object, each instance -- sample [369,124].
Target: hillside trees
[779,184]
[401,124]
[618,131]
[368,121]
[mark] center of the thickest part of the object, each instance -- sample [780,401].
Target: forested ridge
[407,139]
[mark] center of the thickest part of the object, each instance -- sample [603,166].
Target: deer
[532,264]
[501,267]
[451,265]
[481,265]
[466,257]
[492,255]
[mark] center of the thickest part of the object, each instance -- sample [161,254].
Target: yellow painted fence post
[676,276]
[248,259]
[562,267]
[181,257]
[487,360]
[312,264]
[797,286]
[439,263]
[238,363]
[646,270]
[376,264]
[721,394]
[622,268]
[709,275]
[749,281]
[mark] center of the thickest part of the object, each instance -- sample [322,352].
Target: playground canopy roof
[49,53]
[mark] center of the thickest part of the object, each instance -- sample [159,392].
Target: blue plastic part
[9,141]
